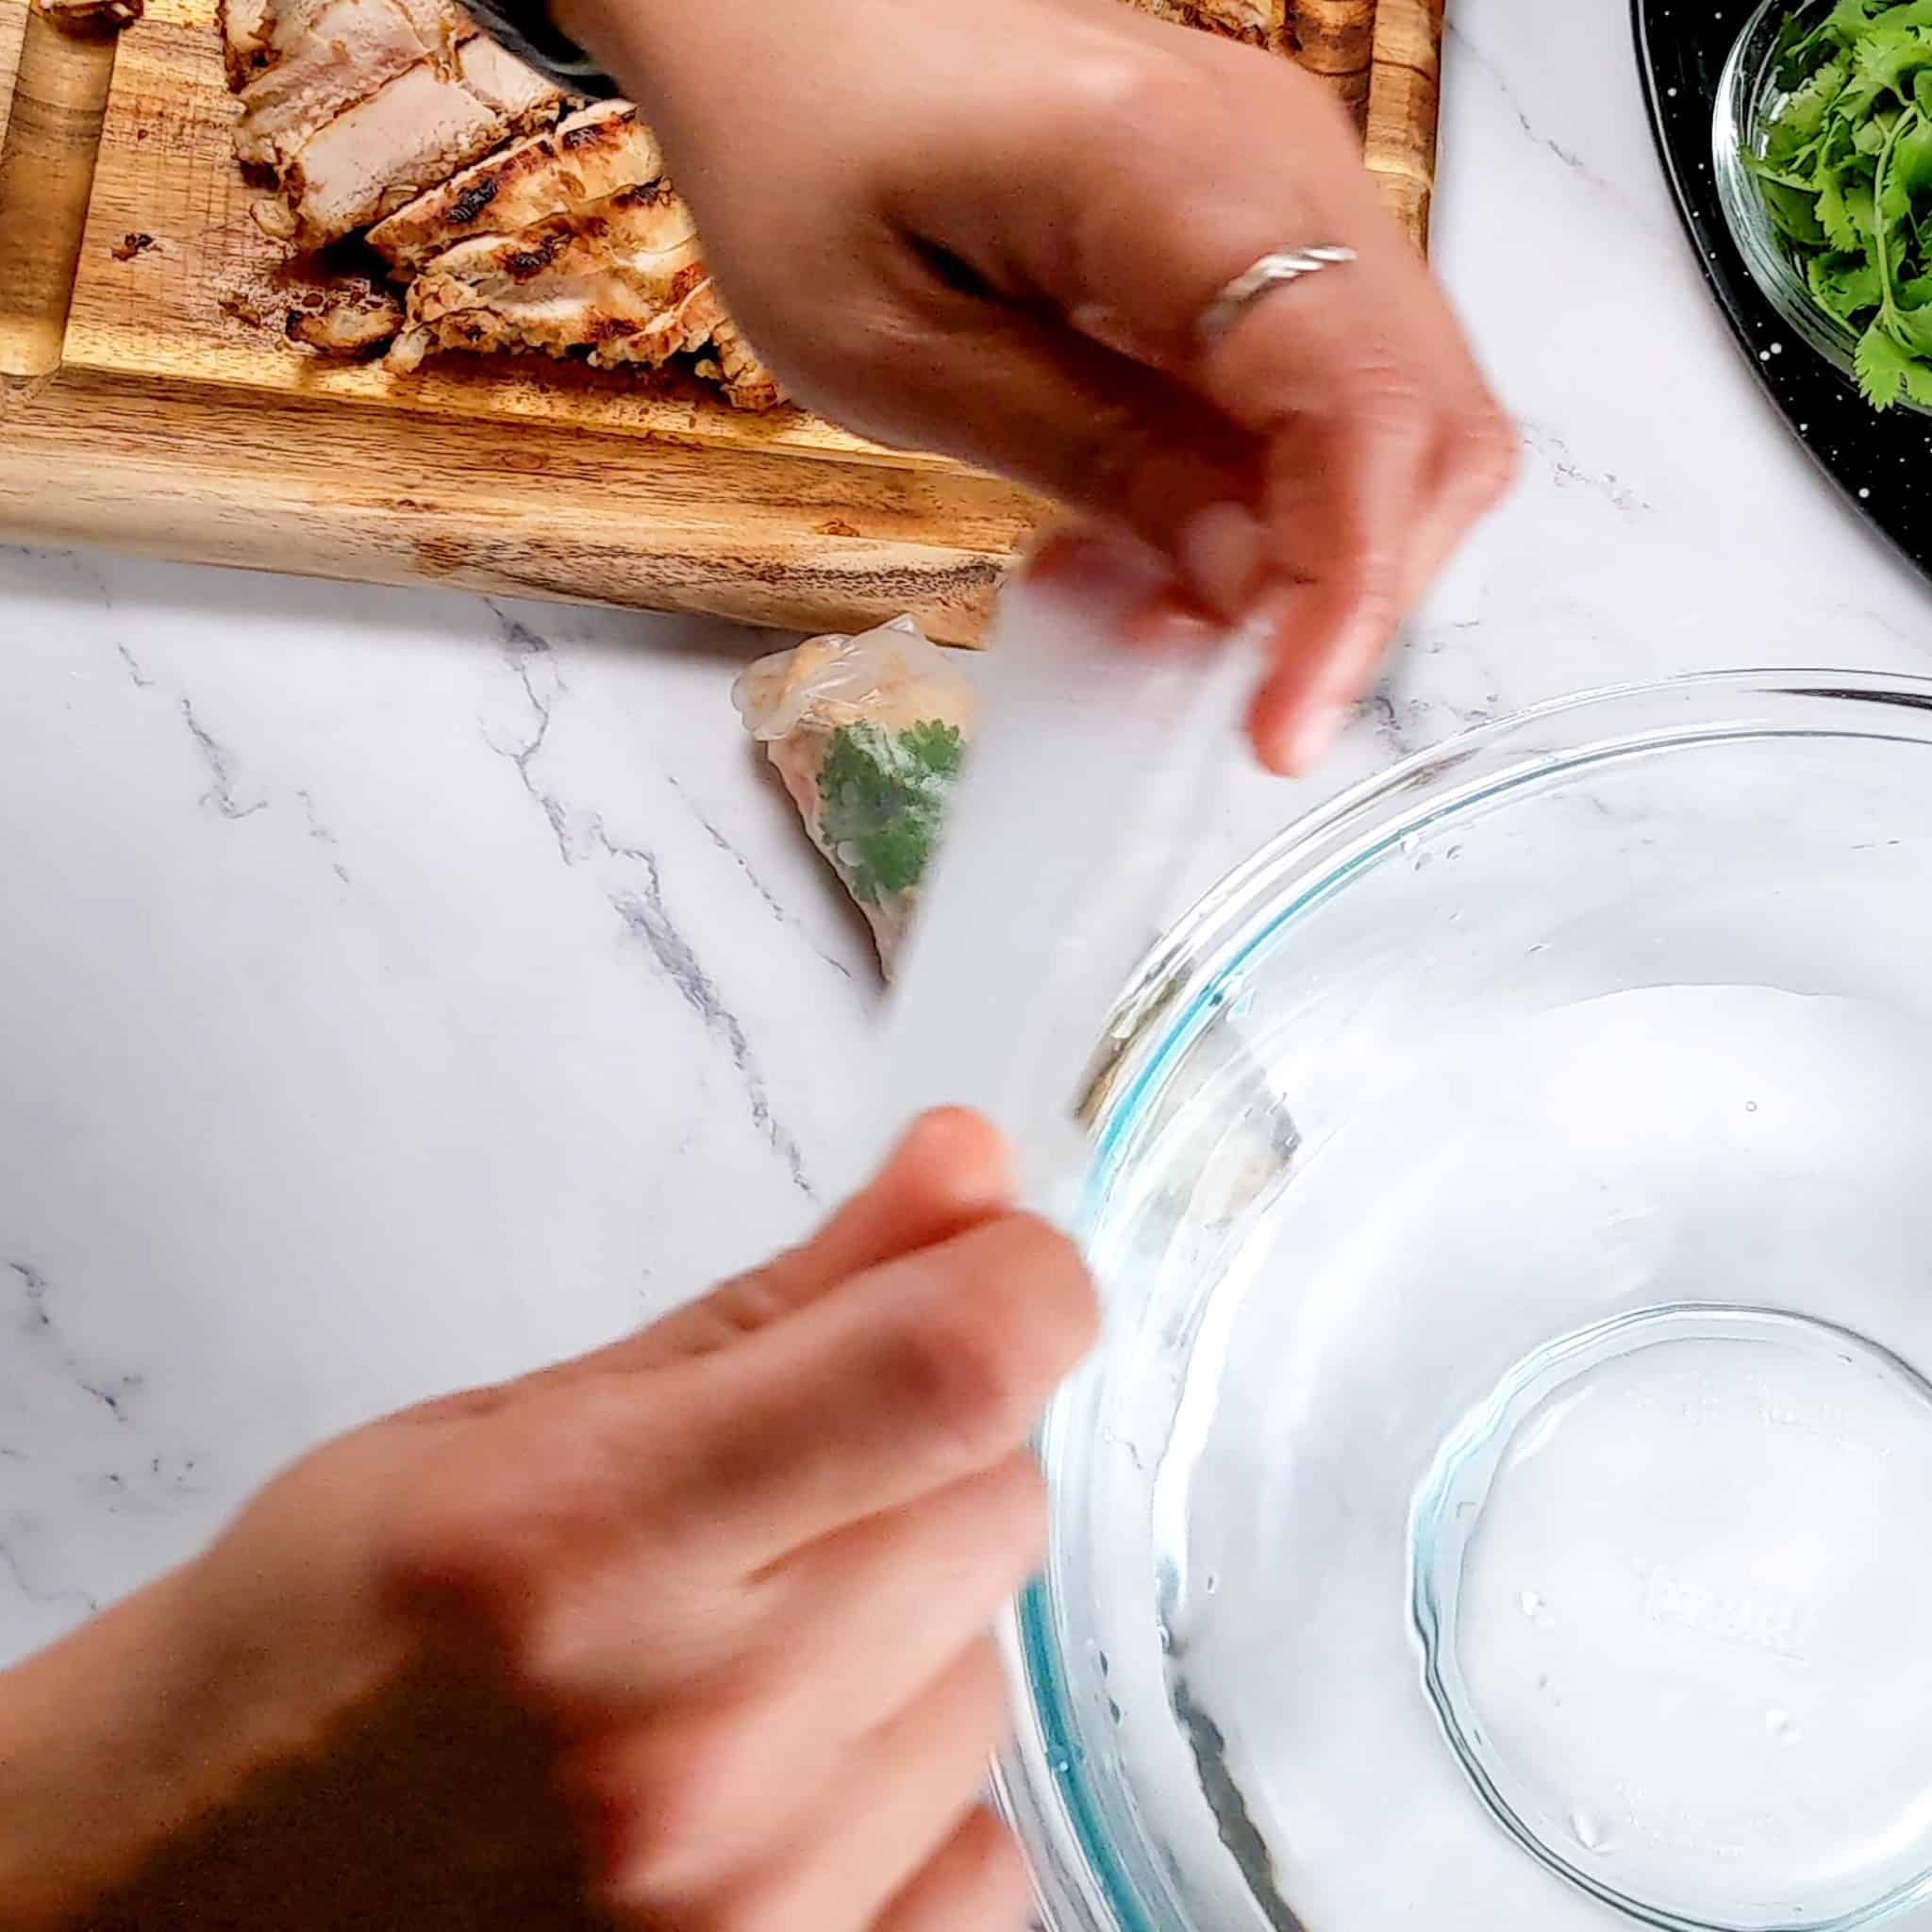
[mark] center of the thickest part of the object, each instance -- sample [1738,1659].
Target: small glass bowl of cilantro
[1822,144]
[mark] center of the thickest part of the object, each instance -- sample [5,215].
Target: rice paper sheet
[868,734]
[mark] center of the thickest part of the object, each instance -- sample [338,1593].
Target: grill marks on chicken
[734,366]
[350,322]
[354,107]
[325,59]
[1261,23]
[512,230]
[597,151]
[415,130]
[623,279]
[569,242]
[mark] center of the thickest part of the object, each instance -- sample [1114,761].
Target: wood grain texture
[173,469]
[47,153]
[1336,39]
[208,301]
[183,423]
[1402,104]
[12,31]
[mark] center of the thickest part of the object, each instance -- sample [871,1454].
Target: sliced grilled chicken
[623,279]
[734,366]
[1245,16]
[258,34]
[358,322]
[93,16]
[591,155]
[244,38]
[1266,23]
[330,58]
[412,132]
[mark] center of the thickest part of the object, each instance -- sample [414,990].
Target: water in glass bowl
[1505,1495]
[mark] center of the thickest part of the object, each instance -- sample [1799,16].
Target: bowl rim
[1215,918]
[1080,1882]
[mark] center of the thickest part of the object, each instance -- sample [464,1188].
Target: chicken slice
[260,34]
[1265,23]
[623,279]
[342,52]
[585,159]
[352,322]
[734,366]
[413,131]
[681,329]
[1245,16]
[89,17]
[244,38]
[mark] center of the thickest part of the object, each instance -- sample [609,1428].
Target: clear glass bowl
[1748,96]
[1504,1497]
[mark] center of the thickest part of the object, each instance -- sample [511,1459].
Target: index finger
[1343,513]
[903,1380]
[1354,375]
[1383,447]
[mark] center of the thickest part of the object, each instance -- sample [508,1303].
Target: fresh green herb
[1846,169]
[882,796]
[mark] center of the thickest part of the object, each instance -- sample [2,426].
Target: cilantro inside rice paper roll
[868,734]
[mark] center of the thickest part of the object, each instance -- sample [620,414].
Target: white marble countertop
[403,988]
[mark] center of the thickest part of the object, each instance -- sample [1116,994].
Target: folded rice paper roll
[867,733]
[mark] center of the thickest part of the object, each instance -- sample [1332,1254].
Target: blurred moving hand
[703,1615]
[993,230]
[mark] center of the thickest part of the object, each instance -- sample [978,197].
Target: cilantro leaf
[1881,366]
[1910,173]
[1803,114]
[1841,224]
[1909,13]
[1884,61]
[882,798]
[1873,134]
[938,747]
[1912,330]
[1793,212]
[1844,168]
[1845,286]
[1860,207]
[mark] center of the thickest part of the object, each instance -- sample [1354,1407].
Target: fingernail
[1220,551]
[1168,622]
[1313,735]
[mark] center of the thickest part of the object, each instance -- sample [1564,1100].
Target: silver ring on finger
[1272,271]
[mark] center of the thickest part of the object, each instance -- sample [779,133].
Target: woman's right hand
[713,1600]
[993,230]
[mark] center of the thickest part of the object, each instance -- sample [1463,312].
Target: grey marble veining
[401,989]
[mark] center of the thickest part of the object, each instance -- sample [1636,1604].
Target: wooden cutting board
[150,401]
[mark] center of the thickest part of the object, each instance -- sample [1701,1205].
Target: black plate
[1877,462]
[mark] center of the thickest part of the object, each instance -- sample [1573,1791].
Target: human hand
[992,230]
[734,1576]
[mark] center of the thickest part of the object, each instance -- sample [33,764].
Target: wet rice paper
[868,734]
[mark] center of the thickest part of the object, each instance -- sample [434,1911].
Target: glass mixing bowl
[1504,1497]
